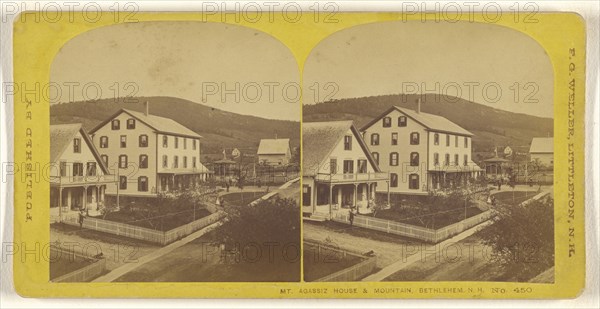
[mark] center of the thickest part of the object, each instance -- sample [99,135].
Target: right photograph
[427,155]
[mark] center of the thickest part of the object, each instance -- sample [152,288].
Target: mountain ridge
[491,127]
[220,129]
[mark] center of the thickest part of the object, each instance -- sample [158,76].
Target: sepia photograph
[432,158]
[172,161]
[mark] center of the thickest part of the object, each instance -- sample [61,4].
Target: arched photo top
[225,66]
[483,63]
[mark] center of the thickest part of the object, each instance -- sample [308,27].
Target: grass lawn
[435,221]
[506,197]
[162,222]
[201,261]
[67,263]
[242,198]
[362,232]
[320,264]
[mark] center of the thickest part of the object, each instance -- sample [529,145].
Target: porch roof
[182,172]
[457,169]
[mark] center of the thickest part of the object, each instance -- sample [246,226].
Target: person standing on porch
[351,217]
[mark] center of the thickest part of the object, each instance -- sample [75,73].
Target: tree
[295,155]
[522,237]
[274,220]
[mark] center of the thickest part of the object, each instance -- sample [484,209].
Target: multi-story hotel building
[149,154]
[421,151]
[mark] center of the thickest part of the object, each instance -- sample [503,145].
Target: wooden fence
[352,273]
[146,234]
[413,231]
[85,274]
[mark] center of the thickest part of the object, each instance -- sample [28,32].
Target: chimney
[146,105]
[418,109]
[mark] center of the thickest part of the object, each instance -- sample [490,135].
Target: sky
[229,67]
[478,62]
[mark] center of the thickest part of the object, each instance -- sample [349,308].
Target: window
[165,141]
[77,169]
[130,124]
[394,138]
[306,200]
[393,180]
[63,168]
[387,122]
[176,142]
[165,161]
[122,161]
[402,121]
[466,142]
[175,162]
[436,139]
[347,142]
[143,140]
[184,143]
[413,181]
[414,138]
[466,160]
[447,160]
[436,159]
[91,169]
[414,159]
[333,166]
[103,141]
[348,167]
[456,159]
[184,162]
[394,159]
[194,144]
[123,182]
[143,184]
[123,141]
[194,162]
[376,157]
[143,161]
[374,139]
[104,159]
[447,140]
[455,140]
[362,166]
[116,124]
[77,145]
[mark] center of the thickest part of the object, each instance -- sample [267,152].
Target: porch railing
[70,180]
[352,177]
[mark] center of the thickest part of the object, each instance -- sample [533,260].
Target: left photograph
[174,151]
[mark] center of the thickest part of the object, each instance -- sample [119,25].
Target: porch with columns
[170,182]
[69,200]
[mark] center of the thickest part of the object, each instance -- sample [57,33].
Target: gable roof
[159,124]
[274,146]
[429,121]
[61,136]
[320,138]
[542,145]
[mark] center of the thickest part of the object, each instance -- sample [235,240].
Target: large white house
[423,152]
[542,150]
[78,177]
[274,151]
[338,171]
[149,154]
